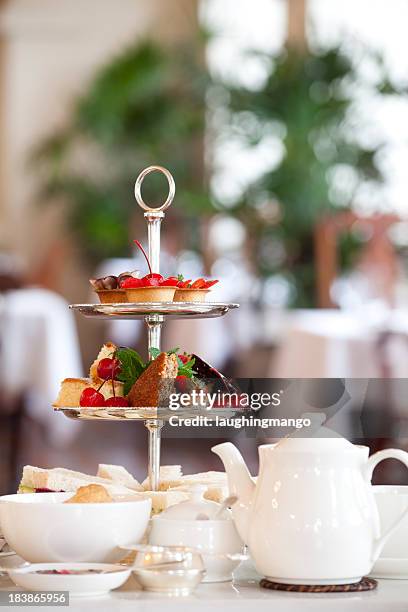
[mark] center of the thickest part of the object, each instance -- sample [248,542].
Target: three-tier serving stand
[154,315]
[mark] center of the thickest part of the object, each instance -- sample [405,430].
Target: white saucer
[79,585]
[393,569]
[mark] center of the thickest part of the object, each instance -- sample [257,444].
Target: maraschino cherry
[108,368]
[92,398]
[152,279]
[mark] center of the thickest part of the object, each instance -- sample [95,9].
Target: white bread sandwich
[40,480]
[161,500]
[118,482]
[169,477]
[119,475]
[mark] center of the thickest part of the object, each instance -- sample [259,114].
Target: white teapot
[311,517]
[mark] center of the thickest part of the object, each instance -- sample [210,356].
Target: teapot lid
[314,437]
[196,508]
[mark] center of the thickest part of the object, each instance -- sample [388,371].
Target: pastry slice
[90,494]
[153,387]
[71,389]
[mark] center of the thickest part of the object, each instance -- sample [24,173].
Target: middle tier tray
[147,414]
[139,310]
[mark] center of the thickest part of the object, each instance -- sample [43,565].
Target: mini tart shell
[190,295]
[150,294]
[111,296]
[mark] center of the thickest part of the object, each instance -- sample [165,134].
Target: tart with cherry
[150,288]
[193,291]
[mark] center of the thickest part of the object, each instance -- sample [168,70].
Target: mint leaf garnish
[131,366]
[154,352]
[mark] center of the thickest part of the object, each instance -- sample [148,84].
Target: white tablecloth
[39,348]
[242,595]
[339,344]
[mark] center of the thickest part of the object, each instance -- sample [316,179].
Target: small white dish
[391,569]
[175,570]
[217,541]
[86,579]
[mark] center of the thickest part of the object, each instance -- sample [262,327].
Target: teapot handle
[373,461]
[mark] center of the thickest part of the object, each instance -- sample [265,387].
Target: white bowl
[40,528]
[108,577]
[214,539]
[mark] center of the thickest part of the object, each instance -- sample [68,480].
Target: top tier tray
[176,310]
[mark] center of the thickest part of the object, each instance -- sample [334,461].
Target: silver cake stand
[154,315]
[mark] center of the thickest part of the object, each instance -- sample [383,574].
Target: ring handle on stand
[138,189]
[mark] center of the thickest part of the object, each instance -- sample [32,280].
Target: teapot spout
[240,484]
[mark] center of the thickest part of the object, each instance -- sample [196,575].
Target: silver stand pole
[154,428]
[154,322]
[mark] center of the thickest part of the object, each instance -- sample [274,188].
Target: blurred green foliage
[305,106]
[147,106]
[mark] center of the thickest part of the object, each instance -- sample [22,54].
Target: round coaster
[365,584]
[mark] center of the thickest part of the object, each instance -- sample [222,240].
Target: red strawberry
[181,382]
[211,283]
[131,283]
[171,281]
[198,284]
